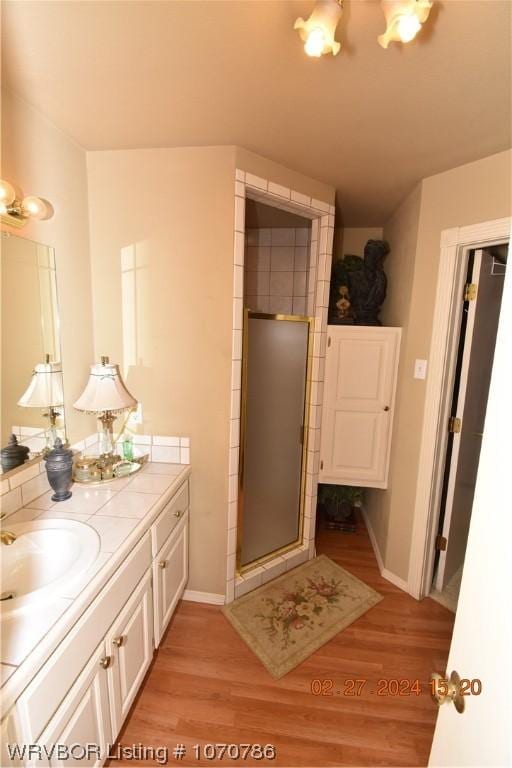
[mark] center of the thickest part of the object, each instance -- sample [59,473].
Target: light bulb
[7,194]
[408,27]
[315,42]
[35,207]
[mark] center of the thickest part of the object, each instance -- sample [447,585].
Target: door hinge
[321,465]
[454,424]
[441,543]
[328,341]
[470,291]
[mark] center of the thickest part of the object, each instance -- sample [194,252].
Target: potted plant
[337,504]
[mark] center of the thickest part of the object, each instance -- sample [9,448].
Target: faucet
[7,537]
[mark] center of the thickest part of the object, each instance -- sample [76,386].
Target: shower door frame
[309,321]
[321,216]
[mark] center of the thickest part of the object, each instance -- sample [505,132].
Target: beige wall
[173,211]
[351,240]
[39,159]
[401,232]
[470,194]
[174,208]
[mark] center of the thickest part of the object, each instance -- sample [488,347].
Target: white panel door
[83,718]
[359,394]
[170,575]
[482,635]
[130,645]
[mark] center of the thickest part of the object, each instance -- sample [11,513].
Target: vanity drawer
[169,517]
[48,688]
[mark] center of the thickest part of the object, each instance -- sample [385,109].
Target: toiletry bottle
[128,448]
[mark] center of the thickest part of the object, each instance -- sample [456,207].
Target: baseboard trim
[394,579]
[388,575]
[211,598]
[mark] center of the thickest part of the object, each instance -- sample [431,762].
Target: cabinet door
[129,643]
[359,396]
[82,720]
[170,574]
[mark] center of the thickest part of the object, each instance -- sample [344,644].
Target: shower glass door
[272,457]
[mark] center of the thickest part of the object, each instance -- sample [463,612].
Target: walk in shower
[276,356]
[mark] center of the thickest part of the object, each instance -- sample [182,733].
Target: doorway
[473,361]
[276,361]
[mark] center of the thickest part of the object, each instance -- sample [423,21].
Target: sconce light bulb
[315,42]
[7,194]
[408,27]
[35,207]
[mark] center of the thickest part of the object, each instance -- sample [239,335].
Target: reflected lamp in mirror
[106,396]
[45,392]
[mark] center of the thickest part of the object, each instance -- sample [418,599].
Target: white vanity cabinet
[170,573]
[83,718]
[83,692]
[129,651]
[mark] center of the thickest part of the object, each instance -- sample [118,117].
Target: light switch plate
[420,369]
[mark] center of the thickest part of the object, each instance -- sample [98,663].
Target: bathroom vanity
[72,666]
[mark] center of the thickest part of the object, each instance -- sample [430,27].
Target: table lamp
[45,391]
[106,396]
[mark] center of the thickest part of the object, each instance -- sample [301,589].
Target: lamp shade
[105,391]
[45,388]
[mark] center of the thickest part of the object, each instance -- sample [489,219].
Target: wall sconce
[403,19]
[15,211]
[319,29]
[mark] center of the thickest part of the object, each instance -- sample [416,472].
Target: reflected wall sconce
[319,29]
[404,19]
[16,211]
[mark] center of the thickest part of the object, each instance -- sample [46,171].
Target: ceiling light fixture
[319,29]
[404,19]
[16,211]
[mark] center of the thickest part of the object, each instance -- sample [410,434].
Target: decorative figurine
[59,468]
[13,455]
[358,286]
[368,285]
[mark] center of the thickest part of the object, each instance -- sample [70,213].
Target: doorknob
[443,690]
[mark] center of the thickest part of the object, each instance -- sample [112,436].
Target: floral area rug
[288,619]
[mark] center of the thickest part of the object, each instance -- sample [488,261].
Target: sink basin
[46,555]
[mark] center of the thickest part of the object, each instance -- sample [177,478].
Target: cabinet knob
[105,662]
[162,564]
[178,513]
[119,641]
[386,408]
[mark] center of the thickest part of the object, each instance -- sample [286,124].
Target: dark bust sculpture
[368,285]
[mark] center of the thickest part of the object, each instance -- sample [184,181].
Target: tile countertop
[121,511]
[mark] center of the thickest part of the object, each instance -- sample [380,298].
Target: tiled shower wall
[277,271]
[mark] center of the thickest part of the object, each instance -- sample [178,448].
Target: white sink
[46,555]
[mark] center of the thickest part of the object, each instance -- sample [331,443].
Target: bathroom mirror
[31,376]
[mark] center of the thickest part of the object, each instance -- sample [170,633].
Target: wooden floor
[207,687]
